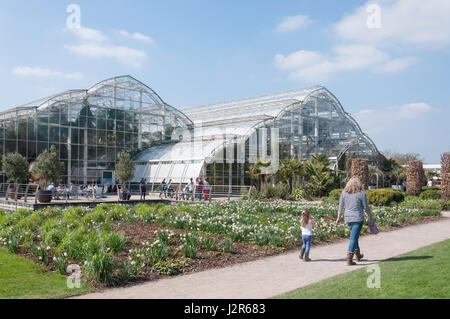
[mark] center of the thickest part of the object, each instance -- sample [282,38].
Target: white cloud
[408,128]
[405,25]
[376,121]
[297,59]
[136,36]
[402,22]
[142,37]
[122,54]
[293,23]
[412,110]
[396,65]
[89,34]
[45,73]
[313,66]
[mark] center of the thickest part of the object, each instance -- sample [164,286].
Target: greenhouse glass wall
[89,127]
[230,136]
[215,141]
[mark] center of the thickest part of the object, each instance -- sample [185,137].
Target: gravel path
[273,276]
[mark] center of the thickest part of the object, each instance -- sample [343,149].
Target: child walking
[307,222]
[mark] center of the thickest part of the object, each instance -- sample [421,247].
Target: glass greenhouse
[229,136]
[89,127]
[217,141]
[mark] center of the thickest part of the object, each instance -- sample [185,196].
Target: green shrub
[430,188]
[40,253]
[99,267]
[191,246]
[417,203]
[430,194]
[12,244]
[60,264]
[156,252]
[299,194]
[116,242]
[227,245]
[128,270]
[335,194]
[384,196]
[168,268]
[281,191]
[72,244]
[268,191]
[445,205]
[210,243]
[54,237]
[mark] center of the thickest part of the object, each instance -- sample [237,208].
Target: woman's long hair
[306,215]
[354,185]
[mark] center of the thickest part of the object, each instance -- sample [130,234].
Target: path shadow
[364,260]
[344,260]
[408,258]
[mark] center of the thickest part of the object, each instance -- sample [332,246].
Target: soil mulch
[138,232]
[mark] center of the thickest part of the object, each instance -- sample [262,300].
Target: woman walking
[354,201]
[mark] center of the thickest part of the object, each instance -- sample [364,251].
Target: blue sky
[393,79]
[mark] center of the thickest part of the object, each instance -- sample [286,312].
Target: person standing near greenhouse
[163,188]
[354,200]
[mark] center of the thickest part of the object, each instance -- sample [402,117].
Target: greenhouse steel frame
[89,127]
[302,121]
[216,141]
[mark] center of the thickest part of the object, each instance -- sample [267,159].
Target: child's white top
[308,229]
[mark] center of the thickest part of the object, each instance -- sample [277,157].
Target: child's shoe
[307,257]
[302,253]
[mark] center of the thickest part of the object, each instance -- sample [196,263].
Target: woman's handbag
[373,228]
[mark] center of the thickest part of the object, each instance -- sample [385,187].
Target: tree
[48,166]
[124,168]
[289,169]
[374,171]
[255,171]
[15,166]
[402,158]
[317,171]
[398,174]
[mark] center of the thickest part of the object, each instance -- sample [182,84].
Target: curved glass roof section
[310,120]
[90,127]
[122,92]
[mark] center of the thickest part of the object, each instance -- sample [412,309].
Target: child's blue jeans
[306,239]
[355,230]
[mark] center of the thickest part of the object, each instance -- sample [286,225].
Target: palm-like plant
[374,171]
[256,171]
[317,170]
[289,169]
[398,173]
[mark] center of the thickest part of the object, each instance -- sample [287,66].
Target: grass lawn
[21,278]
[423,273]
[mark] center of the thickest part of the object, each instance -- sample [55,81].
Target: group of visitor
[61,191]
[198,189]
[167,189]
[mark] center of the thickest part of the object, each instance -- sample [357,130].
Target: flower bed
[115,244]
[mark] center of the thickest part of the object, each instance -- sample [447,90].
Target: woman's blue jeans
[355,230]
[306,239]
